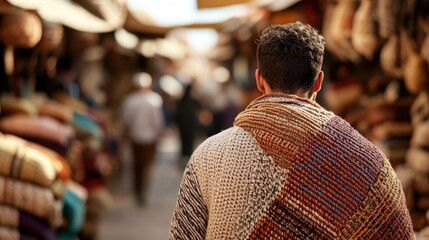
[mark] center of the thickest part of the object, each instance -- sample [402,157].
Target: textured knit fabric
[38,127]
[25,163]
[9,233]
[289,169]
[60,163]
[31,198]
[24,222]
[9,216]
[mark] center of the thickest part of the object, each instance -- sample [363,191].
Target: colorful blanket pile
[34,192]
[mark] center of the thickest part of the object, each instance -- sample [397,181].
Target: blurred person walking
[288,168]
[66,78]
[187,122]
[143,124]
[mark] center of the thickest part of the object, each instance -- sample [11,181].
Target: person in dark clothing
[187,122]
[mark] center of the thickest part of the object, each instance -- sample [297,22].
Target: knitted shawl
[289,169]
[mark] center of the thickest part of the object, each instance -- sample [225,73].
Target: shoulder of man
[215,148]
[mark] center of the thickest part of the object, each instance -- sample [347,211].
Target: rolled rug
[38,127]
[26,223]
[14,234]
[61,165]
[71,102]
[56,110]
[11,105]
[9,233]
[9,216]
[31,198]
[25,163]
[35,227]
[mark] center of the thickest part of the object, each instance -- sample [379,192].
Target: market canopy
[273,5]
[83,15]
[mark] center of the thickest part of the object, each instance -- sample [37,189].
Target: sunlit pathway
[125,220]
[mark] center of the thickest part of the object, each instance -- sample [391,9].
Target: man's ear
[260,81]
[318,83]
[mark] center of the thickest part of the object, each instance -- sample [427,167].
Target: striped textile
[25,163]
[62,168]
[9,233]
[9,216]
[289,169]
[38,127]
[24,222]
[197,217]
[32,199]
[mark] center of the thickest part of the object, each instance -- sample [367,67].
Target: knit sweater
[289,169]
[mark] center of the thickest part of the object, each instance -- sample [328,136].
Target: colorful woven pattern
[291,170]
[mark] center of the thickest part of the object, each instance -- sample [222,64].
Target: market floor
[124,219]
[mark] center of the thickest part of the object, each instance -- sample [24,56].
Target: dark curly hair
[290,56]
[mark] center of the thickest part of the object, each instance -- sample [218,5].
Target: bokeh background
[66,67]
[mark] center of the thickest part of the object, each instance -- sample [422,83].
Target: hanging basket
[20,29]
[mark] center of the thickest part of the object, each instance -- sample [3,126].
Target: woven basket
[21,29]
[364,38]
[415,69]
[387,11]
[420,109]
[425,48]
[389,57]
[421,135]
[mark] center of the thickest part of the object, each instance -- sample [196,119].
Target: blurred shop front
[66,67]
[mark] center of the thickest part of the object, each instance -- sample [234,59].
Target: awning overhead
[91,16]
[140,23]
[219,3]
[274,5]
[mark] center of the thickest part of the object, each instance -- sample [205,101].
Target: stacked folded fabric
[44,131]
[55,110]
[31,189]
[37,196]
[46,147]
[11,105]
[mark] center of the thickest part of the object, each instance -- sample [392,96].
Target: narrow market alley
[125,219]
